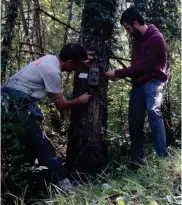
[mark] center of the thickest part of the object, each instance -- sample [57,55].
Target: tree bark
[8,37]
[37,27]
[87,148]
[70,6]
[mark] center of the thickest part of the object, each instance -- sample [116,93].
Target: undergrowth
[159,182]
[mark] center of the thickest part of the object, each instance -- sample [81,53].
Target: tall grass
[158,181]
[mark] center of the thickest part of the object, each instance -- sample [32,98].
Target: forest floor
[159,182]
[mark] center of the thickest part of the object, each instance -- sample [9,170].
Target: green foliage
[175,97]
[163,13]
[103,18]
[158,181]
[146,185]
[12,133]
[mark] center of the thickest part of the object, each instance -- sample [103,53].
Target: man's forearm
[66,104]
[61,103]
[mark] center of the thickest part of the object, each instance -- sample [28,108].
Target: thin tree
[10,23]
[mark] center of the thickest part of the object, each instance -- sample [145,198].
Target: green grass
[156,181]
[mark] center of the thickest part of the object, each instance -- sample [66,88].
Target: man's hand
[83,98]
[61,103]
[110,74]
[89,59]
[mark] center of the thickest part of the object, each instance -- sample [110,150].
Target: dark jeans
[147,97]
[36,144]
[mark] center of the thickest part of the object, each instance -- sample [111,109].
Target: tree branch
[124,67]
[32,52]
[119,58]
[126,79]
[54,18]
[24,43]
[120,62]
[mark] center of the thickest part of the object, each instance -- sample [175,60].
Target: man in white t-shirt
[35,81]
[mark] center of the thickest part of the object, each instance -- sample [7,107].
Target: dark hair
[130,15]
[73,51]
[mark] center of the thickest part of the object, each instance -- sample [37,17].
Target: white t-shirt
[38,78]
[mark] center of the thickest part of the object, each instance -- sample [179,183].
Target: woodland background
[88,137]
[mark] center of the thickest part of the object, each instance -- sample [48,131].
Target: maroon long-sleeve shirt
[149,59]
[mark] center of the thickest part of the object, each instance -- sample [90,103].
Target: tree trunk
[37,28]
[87,149]
[26,25]
[7,40]
[70,7]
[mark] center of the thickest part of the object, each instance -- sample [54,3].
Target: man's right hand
[83,99]
[61,103]
[110,74]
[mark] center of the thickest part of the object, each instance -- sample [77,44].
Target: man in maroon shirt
[148,73]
